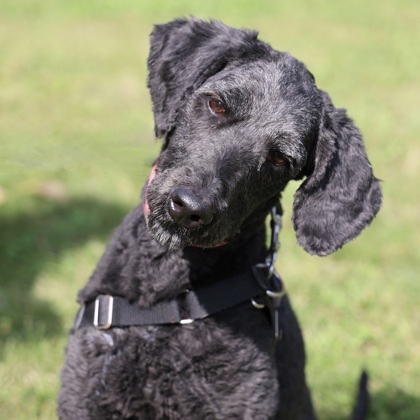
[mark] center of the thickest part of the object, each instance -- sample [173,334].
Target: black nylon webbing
[223,295]
[196,304]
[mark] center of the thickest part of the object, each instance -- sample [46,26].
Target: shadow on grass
[386,404]
[394,404]
[32,238]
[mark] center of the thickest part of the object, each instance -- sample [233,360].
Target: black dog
[239,121]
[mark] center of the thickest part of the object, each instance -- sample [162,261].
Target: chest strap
[108,311]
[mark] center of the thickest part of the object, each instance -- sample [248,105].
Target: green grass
[76,142]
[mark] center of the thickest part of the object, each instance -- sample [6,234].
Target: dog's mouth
[176,238]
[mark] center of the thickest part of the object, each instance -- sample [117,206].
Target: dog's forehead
[277,91]
[279,84]
[282,75]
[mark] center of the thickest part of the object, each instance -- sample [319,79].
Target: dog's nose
[189,210]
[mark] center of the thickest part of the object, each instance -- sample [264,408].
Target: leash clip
[268,278]
[275,290]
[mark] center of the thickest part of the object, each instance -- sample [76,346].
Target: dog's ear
[183,54]
[340,196]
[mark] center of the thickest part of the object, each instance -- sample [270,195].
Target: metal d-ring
[278,286]
[257,305]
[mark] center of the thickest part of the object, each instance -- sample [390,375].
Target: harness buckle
[104,304]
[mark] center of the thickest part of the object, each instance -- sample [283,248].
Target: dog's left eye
[217,106]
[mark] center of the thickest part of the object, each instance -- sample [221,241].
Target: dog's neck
[137,267]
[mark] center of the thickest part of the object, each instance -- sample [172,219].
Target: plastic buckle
[101,300]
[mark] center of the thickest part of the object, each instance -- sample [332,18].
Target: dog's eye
[277,158]
[217,106]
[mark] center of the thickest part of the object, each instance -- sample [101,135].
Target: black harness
[260,285]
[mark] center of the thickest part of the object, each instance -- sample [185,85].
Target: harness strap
[113,311]
[261,285]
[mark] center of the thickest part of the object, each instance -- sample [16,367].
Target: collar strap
[108,311]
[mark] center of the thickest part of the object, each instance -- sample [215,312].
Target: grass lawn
[76,144]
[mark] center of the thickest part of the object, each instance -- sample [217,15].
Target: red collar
[149,181]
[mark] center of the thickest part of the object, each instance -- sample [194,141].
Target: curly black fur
[274,126]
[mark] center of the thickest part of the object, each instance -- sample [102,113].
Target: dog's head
[239,121]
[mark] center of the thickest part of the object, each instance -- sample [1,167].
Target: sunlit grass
[76,144]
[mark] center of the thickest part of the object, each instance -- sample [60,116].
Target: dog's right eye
[277,158]
[217,107]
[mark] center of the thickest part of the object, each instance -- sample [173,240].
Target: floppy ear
[183,54]
[341,196]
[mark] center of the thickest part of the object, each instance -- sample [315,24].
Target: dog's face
[238,140]
[240,121]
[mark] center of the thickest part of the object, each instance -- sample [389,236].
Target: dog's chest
[194,371]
